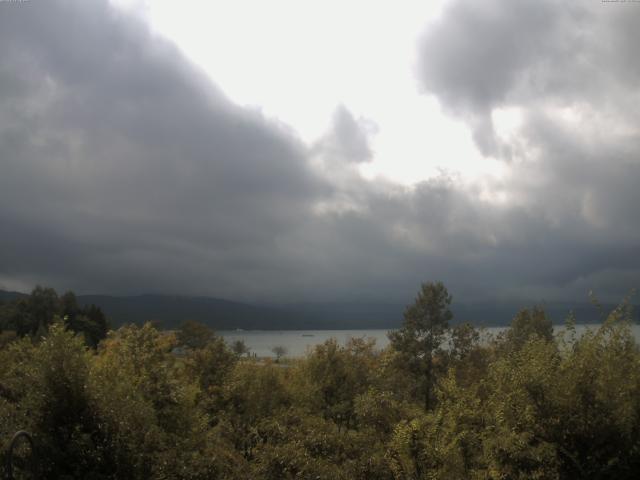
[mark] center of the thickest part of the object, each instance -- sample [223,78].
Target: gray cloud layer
[572,71]
[123,169]
[348,139]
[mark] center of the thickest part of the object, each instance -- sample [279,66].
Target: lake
[299,342]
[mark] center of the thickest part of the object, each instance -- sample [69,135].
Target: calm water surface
[299,342]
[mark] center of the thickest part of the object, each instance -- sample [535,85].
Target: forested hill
[8,296]
[170,311]
[219,314]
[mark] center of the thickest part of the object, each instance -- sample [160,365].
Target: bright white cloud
[298,60]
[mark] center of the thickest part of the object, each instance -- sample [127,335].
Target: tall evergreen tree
[422,333]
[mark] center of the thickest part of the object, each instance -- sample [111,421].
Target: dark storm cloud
[125,170]
[119,158]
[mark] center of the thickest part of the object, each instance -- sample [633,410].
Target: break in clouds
[124,169]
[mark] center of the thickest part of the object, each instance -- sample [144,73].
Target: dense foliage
[441,402]
[31,315]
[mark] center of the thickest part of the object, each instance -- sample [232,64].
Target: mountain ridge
[169,311]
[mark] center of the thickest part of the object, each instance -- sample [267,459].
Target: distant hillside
[7,296]
[169,311]
[219,314]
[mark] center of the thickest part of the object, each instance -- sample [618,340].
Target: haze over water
[299,342]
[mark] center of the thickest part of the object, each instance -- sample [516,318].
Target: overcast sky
[285,151]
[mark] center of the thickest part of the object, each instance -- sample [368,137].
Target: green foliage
[32,316]
[194,335]
[128,411]
[542,412]
[529,405]
[209,367]
[297,445]
[463,341]
[254,391]
[149,412]
[528,323]
[279,351]
[240,348]
[45,391]
[422,333]
[379,411]
[335,376]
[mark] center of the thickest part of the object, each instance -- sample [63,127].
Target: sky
[321,151]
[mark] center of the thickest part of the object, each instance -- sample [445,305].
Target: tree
[33,314]
[463,340]
[194,334]
[92,322]
[44,391]
[467,356]
[69,305]
[422,333]
[279,351]
[528,323]
[239,348]
[89,320]
[9,316]
[253,393]
[335,376]
[147,410]
[210,367]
